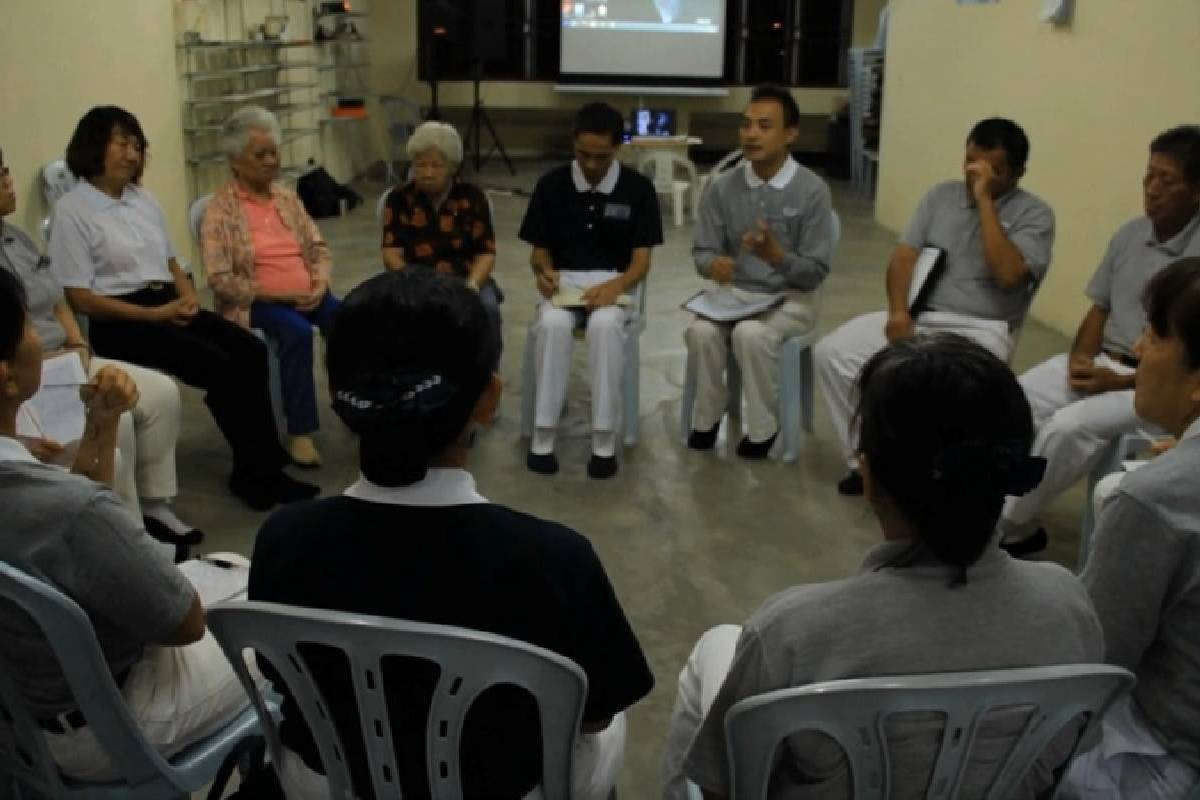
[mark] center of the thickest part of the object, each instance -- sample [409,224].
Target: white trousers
[1072,430]
[756,344]
[176,695]
[1128,764]
[554,335]
[840,356]
[594,771]
[699,681]
[146,436]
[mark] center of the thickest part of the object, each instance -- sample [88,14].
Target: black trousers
[210,353]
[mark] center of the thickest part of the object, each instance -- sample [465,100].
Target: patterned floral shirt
[448,238]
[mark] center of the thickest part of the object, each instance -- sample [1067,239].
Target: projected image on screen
[656,38]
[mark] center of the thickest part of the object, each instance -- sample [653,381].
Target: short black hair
[1172,301]
[85,151]
[1181,143]
[772,91]
[602,119]
[946,430]
[409,355]
[1003,133]
[12,313]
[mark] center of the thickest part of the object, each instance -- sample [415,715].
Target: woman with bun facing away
[410,363]
[111,253]
[945,430]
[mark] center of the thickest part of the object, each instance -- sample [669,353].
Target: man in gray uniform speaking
[763,230]
[994,241]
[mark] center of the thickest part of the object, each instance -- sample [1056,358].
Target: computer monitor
[653,122]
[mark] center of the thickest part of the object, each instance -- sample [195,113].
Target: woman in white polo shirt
[111,253]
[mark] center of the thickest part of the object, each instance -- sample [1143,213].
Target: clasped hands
[302,302]
[1087,378]
[105,398]
[179,311]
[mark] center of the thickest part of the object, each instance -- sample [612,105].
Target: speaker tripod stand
[481,121]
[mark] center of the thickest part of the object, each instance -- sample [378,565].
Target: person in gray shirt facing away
[69,530]
[1144,569]
[945,437]
[995,240]
[1083,399]
[764,229]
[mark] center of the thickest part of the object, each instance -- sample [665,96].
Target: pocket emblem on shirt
[791,212]
[617,211]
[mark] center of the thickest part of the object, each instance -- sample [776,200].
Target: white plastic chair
[1115,453]
[57,180]
[470,662]
[727,162]
[854,713]
[274,373]
[630,378]
[25,760]
[660,166]
[796,379]
[403,117]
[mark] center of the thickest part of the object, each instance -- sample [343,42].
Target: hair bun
[975,466]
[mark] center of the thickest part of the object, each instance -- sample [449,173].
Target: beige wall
[62,57]
[1090,95]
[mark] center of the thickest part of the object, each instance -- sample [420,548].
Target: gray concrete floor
[689,540]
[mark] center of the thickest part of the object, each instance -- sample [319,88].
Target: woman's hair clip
[377,398]
[1005,466]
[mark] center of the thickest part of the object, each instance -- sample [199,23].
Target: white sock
[161,510]
[543,441]
[604,443]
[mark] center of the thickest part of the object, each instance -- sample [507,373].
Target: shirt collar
[605,186]
[12,450]
[439,487]
[1176,244]
[100,200]
[881,555]
[782,177]
[1192,432]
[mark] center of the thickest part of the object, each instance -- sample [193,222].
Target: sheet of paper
[924,270]
[56,412]
[216,583]
[572,297]
[1130,466]
[727,305]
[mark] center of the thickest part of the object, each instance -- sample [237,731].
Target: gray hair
[235,133]
[438,136]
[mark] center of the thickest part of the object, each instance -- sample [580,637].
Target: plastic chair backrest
[73,639]
[57,180]
[660,164]
[470,662]
[403,116]
[196,215]
[854,713]
[727,162]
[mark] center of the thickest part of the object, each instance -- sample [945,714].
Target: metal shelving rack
[220,77]
[342,68]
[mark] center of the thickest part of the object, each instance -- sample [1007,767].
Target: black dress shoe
[1033,543]
[704,440]
[852,484]
[755,450]
[289,490]
[254,493]
[164,534]
[263,492]
[542,464]
[601,467]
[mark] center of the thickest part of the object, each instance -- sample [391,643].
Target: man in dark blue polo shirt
[591,223]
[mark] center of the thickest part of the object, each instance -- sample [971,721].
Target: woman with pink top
[268,266]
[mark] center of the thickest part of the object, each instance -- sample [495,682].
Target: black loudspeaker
[488,29]
[443,20]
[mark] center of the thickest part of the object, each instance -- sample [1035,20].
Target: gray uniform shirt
[1144,577]
[1133,257]
[74,533]
[897,621]
[946,219]
[19,255]
[795,205]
